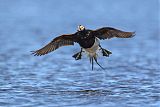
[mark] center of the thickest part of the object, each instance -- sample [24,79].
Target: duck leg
[105,52]
[78,55]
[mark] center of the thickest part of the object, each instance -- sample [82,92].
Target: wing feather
[63,40]
[108,32]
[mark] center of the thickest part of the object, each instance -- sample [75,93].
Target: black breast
[85,38]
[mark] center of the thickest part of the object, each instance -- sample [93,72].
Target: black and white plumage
[87,39]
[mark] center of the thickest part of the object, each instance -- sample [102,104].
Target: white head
[81,28]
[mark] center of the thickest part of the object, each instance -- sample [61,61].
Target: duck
[88,40]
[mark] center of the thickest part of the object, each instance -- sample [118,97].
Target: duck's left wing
[108,32]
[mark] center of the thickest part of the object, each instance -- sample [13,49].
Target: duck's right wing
[63,40]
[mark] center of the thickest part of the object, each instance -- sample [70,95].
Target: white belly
[92,51]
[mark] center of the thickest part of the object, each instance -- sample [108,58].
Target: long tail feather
[90,59]
[92,63]
[95,58]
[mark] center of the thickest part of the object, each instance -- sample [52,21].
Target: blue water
[131,77]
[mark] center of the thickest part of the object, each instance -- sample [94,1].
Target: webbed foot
[105,52]
[77,56]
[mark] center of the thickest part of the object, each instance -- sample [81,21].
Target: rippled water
[131,77]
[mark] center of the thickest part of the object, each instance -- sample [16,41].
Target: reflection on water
[131,77]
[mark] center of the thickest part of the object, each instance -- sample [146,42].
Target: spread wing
[63,40]
[108,32]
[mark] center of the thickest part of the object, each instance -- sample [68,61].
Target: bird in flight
[89,41]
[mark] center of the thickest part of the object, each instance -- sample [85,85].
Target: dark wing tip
[133,34]
[125,34]
[35,53]
[32,52]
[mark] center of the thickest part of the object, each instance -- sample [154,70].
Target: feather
[108,32]
[63,40]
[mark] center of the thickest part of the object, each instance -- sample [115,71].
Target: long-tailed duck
[88,41]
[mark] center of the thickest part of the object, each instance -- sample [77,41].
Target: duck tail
[95,59]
